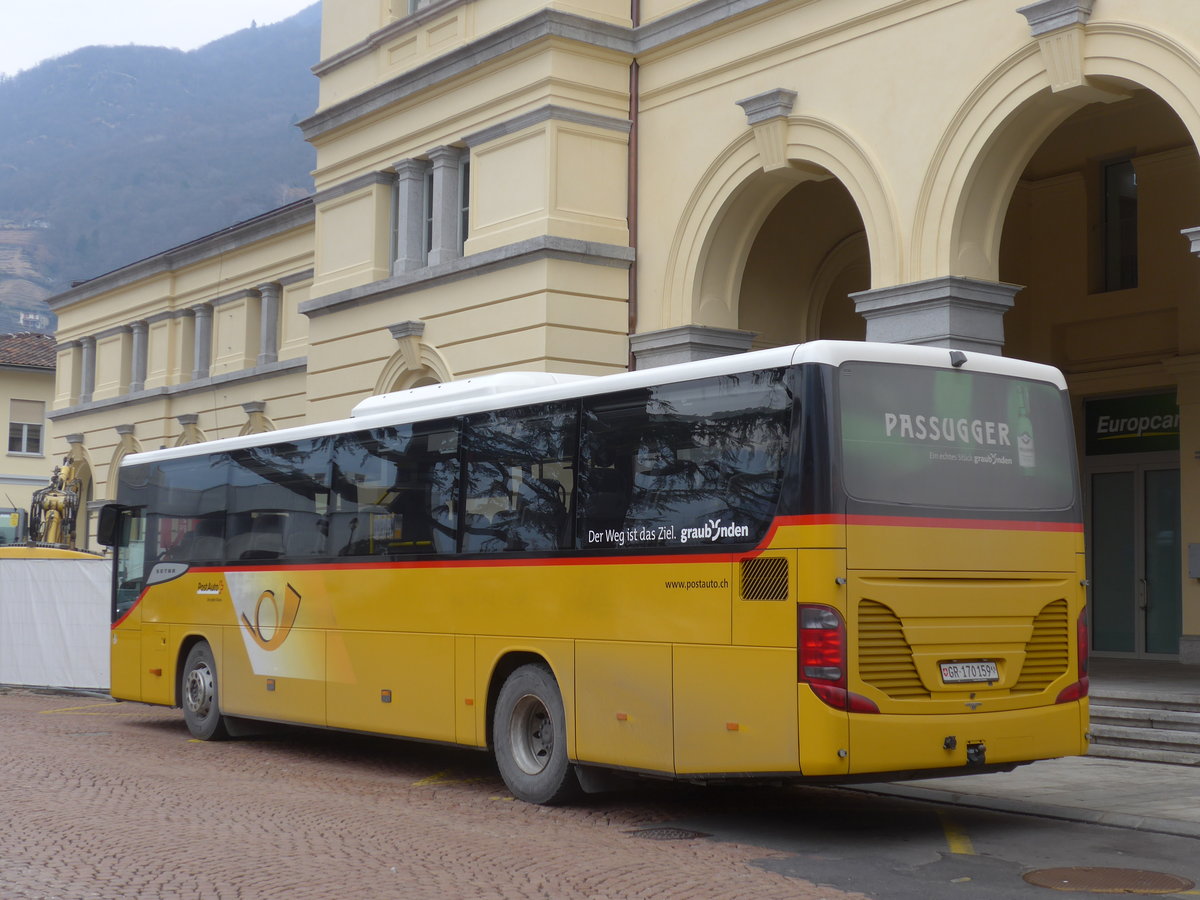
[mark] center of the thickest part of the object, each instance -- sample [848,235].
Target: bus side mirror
[108,529]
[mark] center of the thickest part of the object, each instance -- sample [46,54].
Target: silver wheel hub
[198,691]
[531,735]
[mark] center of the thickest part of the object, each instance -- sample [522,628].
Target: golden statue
[54,508]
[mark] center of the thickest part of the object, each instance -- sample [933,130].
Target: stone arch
[191,432]
[257,420]
[998,128]
[721,218]
[79,457]
[126,444]
[409,368]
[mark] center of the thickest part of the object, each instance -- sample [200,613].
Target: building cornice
[370,179]
[532,250]
[542,25]
[545,114]
[268,225]
[390,32]
[226,379]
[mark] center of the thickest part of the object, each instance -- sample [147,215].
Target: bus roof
[506,389]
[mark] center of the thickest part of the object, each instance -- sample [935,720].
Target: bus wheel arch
[528,733]
[199,693]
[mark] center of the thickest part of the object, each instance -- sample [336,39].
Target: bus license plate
[960,672]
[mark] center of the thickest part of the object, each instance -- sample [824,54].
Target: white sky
[34,30]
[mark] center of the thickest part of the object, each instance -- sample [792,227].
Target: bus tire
[200,700]
[529,738]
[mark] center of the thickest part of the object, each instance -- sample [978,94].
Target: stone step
[1145,754]
[1145,699]
[1148,738]
[1144,717]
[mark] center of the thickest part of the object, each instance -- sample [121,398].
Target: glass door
[1134,559]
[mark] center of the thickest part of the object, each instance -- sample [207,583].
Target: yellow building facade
[589,185]
[26,391]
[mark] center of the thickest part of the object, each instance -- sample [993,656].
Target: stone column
[139,357]
[202,355]
[268,332]
[87,367]
[686,343]
[445,242]
[409,252]
[954,312]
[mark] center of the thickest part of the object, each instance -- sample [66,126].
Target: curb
[1152,824]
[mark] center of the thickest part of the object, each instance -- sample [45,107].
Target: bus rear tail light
[821,658]
[1080,688]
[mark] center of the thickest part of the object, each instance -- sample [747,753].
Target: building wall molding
[354,184]
[532,250]
[228,379]
[295,278]
[542,114]
[548,23]
[1045,16]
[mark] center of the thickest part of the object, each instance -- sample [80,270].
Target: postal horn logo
[271,624]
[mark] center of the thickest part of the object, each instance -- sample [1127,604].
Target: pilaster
[268,336]
[201,341]
[409,252]
[138,357]
[445,243]
[67,369]
[87,369]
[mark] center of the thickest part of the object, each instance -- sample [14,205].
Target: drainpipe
[635,17]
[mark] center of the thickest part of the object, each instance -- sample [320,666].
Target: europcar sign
[1140,424]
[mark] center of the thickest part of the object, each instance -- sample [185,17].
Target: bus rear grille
[884,656]
[1047,654]
[765,578]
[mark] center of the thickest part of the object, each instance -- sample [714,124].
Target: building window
[417,5]
[25,419]
[1120,226]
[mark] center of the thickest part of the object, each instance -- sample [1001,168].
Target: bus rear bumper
[895,743]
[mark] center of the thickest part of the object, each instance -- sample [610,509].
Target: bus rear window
[951,438]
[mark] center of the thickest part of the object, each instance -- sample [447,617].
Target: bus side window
[395,491]
[520,479]
[680,456]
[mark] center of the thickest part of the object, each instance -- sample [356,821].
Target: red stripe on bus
[927,522]
[673,558]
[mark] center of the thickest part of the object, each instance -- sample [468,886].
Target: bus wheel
[530,738]
[201,710]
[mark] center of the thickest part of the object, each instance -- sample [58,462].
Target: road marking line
[956,838]
[447,777]
[99,709]
[66,709]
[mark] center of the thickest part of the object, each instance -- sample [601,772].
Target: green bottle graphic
[1026,457]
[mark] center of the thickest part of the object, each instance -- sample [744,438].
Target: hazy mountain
[112,154]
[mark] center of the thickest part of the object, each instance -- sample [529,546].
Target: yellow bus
[831,561]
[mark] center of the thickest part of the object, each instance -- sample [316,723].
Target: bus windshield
[932,438]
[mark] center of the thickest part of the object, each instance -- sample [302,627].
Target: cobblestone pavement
[113,800]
